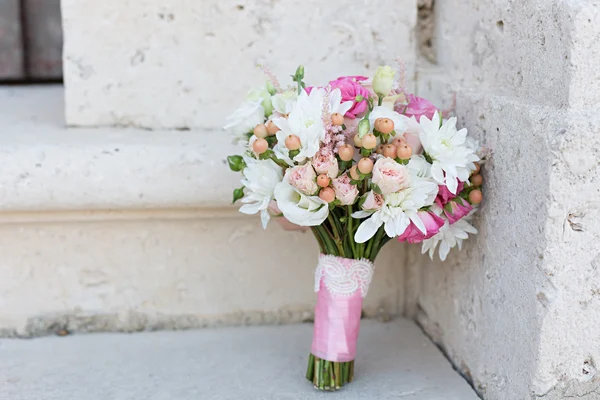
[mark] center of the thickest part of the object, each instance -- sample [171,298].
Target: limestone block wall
[518,310]
[186,64]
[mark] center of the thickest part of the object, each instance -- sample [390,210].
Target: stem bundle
[329,375]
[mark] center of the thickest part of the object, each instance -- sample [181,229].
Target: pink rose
[324,162]
[304,178]
[345,192]
[417,106]
[444,195]
[390,176]
[411,134]
[455,210]
[432,223]
[351,90]
[373,201]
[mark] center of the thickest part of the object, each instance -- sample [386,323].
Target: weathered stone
[517,310]
[187,65]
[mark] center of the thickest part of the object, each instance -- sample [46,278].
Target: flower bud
[404,152]
[292,142]
[369,141]
[389,150]
[346,152]
[271,88]
[260,146]
[363,127]
[365,165]
[323,180]
[384,125]
[327,194]
[354,173]
[272,128]
[260,131]
[357,140]
[383,81]
[337,119]
[399,141]
[475,196]
[300,72]
[476,180]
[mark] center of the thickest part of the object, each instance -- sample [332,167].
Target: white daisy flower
[304,121]
[399,209]
[260,179]
[448,237]
[452,158]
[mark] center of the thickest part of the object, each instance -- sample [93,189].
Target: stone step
[394,361]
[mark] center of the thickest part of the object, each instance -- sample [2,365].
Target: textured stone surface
[394,360]
[95,239]
[44,38]
[188,64]
[47,167]
[11,41]
[518,310]
[164,272]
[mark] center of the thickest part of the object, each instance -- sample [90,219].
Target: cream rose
[304,178]
[326,163]
[390,176]
[373,201]
[345,192]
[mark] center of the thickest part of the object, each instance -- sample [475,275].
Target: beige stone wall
[517,310]
[187,64]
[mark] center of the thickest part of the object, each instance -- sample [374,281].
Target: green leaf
[448,208]
[266,155]
[272,140]
[293,153]
[362,176]
[459,200]
[376,189]
[236,163]
[237,194]
[365,152]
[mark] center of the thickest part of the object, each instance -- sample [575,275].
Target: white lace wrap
[344,276]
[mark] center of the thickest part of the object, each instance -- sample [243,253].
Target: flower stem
[351,231]
[329,375]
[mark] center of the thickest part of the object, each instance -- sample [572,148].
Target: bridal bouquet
[360,162]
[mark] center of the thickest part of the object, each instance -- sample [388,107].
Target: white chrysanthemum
[245,118]
[384,112]
[260,179]
[420,166]
[297,207]
[448,237]
[399,209]
[335,103]
[305,122]
[451,157]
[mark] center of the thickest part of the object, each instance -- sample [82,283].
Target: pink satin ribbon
[337,321]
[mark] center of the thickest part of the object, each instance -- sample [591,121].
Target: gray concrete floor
[395,360]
